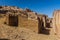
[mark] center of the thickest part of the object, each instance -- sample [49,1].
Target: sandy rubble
[19,33]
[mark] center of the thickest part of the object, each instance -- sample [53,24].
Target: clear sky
[40,6]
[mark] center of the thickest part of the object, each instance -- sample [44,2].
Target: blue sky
[40,6]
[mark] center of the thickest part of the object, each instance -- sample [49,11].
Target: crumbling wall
[27,23]
[56,22]
[42,24]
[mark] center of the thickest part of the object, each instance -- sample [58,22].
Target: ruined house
[25,18]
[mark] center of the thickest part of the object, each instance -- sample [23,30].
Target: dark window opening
[13,20]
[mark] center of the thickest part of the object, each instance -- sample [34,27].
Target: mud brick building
[24,18]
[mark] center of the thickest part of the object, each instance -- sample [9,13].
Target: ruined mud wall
[56,22]
[42,23]
[43,19]
[28,23]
